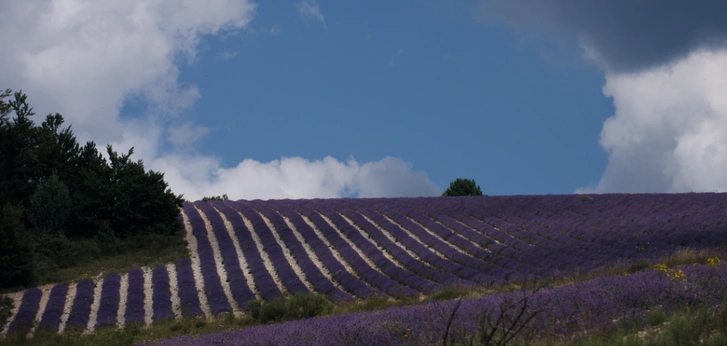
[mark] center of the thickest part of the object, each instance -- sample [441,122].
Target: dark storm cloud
[626,35]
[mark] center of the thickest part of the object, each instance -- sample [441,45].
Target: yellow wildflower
[660,267]
[677,275]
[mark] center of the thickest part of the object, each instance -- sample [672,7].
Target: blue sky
[246,98]
[452,95]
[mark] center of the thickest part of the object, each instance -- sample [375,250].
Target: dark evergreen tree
[16,249]
[463,187]
[90,191]
[142,202]
[17,138]
[49,204]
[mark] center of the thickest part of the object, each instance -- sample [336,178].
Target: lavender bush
[187,288]
[110,297]
[81,308]
[161,295]
[26,312]
[135,298]
[54,309]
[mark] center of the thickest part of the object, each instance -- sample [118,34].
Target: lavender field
[596,306]
[351,249]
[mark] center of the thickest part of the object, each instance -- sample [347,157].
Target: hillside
[352,249]
[650,307]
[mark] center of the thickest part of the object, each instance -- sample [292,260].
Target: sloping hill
[351,249]
[650,307]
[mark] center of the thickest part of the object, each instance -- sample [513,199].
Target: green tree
[463,187]
[115,196]
[142,201]
[17,138]
[90,190]
[49,204]
[16,249]
[216,198]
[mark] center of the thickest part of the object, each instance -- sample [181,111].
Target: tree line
[63,202]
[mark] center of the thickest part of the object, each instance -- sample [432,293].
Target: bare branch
[451,319]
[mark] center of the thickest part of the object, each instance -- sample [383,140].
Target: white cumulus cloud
[669,132]
[85,59]
[294,177]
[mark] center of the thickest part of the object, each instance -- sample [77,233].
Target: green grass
[149,251]
[681,327]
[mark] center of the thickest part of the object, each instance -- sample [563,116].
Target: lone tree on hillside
[463,187]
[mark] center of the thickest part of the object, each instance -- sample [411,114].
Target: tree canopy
[463,187]
[55,186]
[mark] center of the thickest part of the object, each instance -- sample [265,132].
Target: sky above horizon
[304,99]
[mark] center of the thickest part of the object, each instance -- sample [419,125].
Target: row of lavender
[597,306]
[54,319]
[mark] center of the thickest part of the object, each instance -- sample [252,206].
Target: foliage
[6,307]
[308,305]
[16,249]
[463,187]
[54,251]
[117,194]
[448,293]
[297,306]
[125,199]
[254,307]
[49,204]
[275,310]
[656,317]
[215,198]
[73,190]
